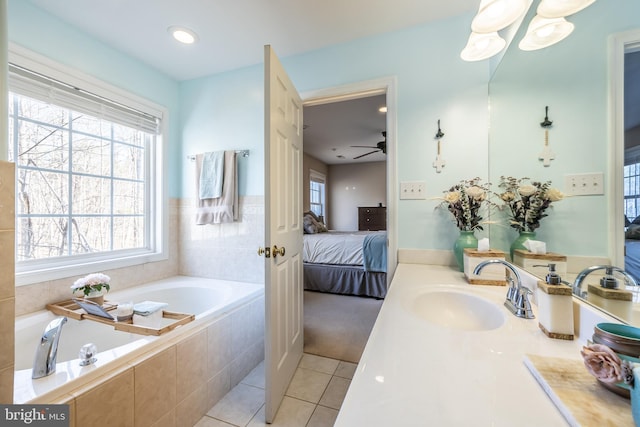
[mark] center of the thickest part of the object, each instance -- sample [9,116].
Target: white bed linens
[335,247]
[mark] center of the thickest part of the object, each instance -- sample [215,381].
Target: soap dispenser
[610,296]
[555,306]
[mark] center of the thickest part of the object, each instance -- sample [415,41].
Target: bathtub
[208,299]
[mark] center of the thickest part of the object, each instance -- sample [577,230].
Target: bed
[351,263]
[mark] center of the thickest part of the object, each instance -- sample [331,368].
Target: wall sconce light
[494,15]
[561,8]
[482,46]
[544,32]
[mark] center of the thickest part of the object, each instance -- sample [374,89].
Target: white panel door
[283,232]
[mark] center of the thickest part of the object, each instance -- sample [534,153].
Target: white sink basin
[458,310]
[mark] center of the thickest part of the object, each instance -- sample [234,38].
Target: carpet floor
[338,326]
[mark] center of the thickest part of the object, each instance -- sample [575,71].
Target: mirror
[573,79]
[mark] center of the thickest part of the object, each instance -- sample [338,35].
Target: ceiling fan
[380,146]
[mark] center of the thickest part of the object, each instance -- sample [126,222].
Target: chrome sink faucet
[45,360]
[517,295]
[608,281]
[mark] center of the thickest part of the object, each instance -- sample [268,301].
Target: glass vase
[466,240]
[519,242]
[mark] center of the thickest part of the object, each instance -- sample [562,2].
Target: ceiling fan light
[561,8]
[482,46]
[494,15]
[544,32]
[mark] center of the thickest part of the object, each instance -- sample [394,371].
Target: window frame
[315,176]
[35,271]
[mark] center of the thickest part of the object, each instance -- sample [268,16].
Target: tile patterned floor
[313,398]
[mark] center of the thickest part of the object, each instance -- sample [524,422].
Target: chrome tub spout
[45,360]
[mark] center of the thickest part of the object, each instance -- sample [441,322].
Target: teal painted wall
[39,31]
[225,111]
[572,78]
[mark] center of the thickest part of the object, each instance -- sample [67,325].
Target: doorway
[347,139]
[624,247]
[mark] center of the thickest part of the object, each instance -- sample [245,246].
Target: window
[317,195]
[632,191]
[87,193]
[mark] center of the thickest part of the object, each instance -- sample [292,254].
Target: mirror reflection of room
[632,162]
[581,80]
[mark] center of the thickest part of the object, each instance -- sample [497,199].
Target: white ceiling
[331,130]
[233,32]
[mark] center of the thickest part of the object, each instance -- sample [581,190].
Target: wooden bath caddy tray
[72,310]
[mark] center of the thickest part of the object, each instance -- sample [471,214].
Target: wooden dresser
[372,219]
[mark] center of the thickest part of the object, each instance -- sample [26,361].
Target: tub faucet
[45,361]
[608,281]
[517,295]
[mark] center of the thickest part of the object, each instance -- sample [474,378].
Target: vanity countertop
[415,373]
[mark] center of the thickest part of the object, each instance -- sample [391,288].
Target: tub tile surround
[171,384]
[233,245]
[7,279]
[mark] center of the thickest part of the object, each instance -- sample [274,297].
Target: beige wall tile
[6,385]
[7,264]
[7,332]
[218,387]
[219,353]
[191,365]
[168,420]
[155,389]
[7,195]
[192,408]
[244,363]
[109,404]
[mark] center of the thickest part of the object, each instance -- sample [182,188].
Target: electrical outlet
[584,184]
[413,190]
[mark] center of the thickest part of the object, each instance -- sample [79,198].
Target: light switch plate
[584,184]
[413,190]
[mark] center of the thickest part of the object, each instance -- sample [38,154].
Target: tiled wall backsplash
[7,282]
[223,251]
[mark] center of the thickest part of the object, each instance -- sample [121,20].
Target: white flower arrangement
[91,283]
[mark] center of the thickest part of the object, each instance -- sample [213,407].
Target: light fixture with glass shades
[183,35]
[494,15]
[482,46]
[544,32]
[561,8]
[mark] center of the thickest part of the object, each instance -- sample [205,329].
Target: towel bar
[243,153]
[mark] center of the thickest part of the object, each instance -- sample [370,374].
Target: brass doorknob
[264,251]
[277,251]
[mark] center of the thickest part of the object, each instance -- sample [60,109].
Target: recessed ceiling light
[383,109]
[183,35]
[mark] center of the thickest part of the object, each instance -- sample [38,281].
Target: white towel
[146,308]
[211,175]
[224,208]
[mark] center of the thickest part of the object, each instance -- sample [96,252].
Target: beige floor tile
[239,405]
[212,422]
[255,377]
[318,363]
[335,392]
[308,385]
[345,370]
[323,417]
[292,413]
